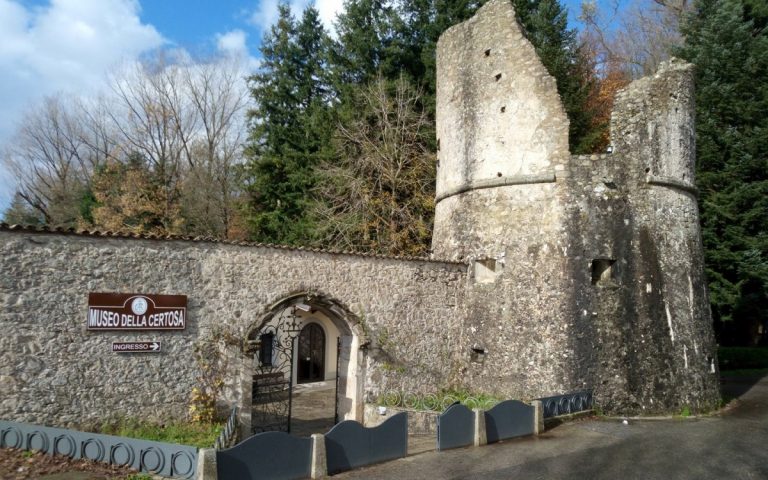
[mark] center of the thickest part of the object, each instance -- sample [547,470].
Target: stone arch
[324,302]
[352,341]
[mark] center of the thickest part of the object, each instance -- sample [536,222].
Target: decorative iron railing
[228,435]
[432,402]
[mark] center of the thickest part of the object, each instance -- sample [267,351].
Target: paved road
[731,445]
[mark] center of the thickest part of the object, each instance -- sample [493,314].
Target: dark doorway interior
[311,365]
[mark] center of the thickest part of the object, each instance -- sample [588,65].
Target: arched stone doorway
[273,368]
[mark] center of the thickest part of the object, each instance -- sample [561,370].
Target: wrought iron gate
[336,389]
[272,383]
[273,375]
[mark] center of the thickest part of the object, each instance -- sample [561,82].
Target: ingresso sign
[121,311]
[136,347]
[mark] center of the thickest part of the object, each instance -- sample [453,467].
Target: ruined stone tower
[587,270]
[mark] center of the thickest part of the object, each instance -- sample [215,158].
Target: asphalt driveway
[730,445]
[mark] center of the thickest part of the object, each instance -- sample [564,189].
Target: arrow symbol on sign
[155,346]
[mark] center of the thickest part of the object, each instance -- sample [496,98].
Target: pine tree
[20,213]
[727,40]
[370,41]
[289,128]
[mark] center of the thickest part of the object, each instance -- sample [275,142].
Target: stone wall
[503,144]
[587,271]
[584,272]
[55,372]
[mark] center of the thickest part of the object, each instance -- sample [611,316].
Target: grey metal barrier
[160,458]
[350,445]
[228,435]
[274,455]
[455,427]
[567,404]
[509,419]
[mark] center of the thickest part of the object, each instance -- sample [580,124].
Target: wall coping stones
[5,227]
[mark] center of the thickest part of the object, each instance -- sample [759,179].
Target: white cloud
[65,45]
[265,15]
[232,42]
[329,9]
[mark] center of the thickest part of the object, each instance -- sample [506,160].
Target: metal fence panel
[273,455]
[455,427]
[164,459]
[509,419]
[350,445]
[567,404]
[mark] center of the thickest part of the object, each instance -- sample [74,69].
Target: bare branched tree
[49,160]
[154,122]
[637,37]
[173,130]
[380,195]
[218,99]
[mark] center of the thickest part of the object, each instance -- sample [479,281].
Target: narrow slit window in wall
[602,270]
[487,270]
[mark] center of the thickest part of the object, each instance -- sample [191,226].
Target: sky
[51,46]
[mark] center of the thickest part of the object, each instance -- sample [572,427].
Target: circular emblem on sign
[139,306]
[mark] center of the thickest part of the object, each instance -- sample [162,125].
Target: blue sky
[50,46]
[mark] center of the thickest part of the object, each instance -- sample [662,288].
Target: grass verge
[192,434]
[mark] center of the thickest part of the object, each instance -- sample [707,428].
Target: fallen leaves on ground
[23,465]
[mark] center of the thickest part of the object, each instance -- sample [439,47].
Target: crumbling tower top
[499,116]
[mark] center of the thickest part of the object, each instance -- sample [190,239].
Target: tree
[370,42]
[608,77]
[20,213]
[184,120]
[130,199]
[51,162]
[289,128]
[379,197]
[727,40]
[637,37]
[211,199]
[155,121]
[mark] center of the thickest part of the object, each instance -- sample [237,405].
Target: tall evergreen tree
[369,43]
[289,127]
[727,40]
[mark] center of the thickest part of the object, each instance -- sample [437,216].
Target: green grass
[193,434]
